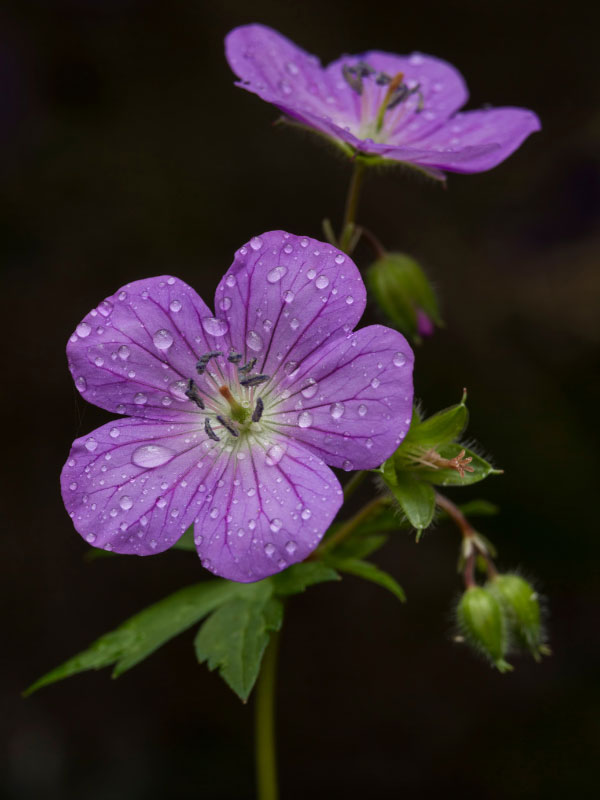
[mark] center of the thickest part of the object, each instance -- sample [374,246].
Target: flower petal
[285,295]
[270,509]
[134,486]
[134,353]
[351,402]
[476,141]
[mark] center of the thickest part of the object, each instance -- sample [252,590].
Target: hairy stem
[352,204]
[264,710]
[469,534]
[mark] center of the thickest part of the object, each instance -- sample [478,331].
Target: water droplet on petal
[276,274]
[81,384]
[72,486]
[288,296]
[114,432]
[254,340]
[269,549]
[310,389]
[225,304]
[292,68]
[124,352]
[311,274]
[91,444]
[91,538]
[126,503]
[140,398]
[214,513]
[347,465]
[336,410]
[175,305]
[306,513]
[274,455]
[275,525]
[162,339]
[362,410]
[291,548]
[178,389]
[305,419]
[83,330]
[105,308]
[375,383]
[256,243]
[230,279]
[349,300]
[399,360]
[214,326]
[294,324]
[152,455]
[322,282]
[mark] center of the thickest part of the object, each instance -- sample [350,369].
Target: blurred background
[126,152]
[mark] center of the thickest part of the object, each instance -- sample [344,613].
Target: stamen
[229,425]
[382,79]
[397,93]
[209,431]
[352,78]
[258,410]
[247,367]
[431,458]
[203,360]
[234,357]
[192,394]
[254,380]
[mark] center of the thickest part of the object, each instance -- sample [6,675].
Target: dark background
[125,151]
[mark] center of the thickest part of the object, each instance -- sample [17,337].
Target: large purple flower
[383,105]
[233,416]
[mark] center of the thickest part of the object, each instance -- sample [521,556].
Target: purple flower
[233,416]
[383,105]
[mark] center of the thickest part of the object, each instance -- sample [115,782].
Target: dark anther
[258,410]
[203,360]
[363,69]
[192,393]
[352,78]
[401,93]
[247,367]
[382,79]
[209,431]
[229,425]
[234,357]
[254,380]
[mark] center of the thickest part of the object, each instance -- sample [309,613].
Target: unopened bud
[522,610]
[405,295]
[482,623]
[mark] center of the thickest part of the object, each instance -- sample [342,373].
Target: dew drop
[177,389]
[98,361]
[349,300]
[305,419]
[306,513]
[336,410]
[256,243]
[310,389]
[276,274]
[91,538]
[399,359]
[81,384]
[294,324]
[274,455]
[175,305]
[311,274]
[126,503]
[369,443]
[123,352]
[225,304]
[214,326]
[375,383]
[162,339]
[114,432]
[254,340]
[288,296]
[140,398]
[72,486]
[122,296]
[269,549]
[152,455]
[105,308]
[275,525]
[290,548]
[83,330]
[230,279]
[362,410]
[91,444]
[322,282]
[292,68]
[214,513]
[347,465]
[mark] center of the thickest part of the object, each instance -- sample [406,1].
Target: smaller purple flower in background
[233,416]
[395,107]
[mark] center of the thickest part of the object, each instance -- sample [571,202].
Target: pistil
[238,412]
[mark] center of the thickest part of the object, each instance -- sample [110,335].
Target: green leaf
[298,577]
[234,638]
[368,571]
[450,477]
[439,429]
[143,633]
[479,508]
[416,497]
[360,546]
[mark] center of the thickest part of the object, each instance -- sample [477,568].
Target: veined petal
[350,402]
[475,141]
[271,506]
[134,486]
[284,296]
[135,352]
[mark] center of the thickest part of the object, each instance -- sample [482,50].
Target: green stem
[354,482]
[348,527]
[264,710]
[352,204]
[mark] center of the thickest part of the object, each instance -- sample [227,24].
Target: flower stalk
[352,198]
[264,718]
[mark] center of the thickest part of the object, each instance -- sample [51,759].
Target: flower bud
[521,606]
[481,621]
[403,292]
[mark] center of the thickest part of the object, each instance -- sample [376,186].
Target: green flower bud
[482,622]
[403,292]
[522,609]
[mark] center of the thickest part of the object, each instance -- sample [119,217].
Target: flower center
[225,415]
[375,121]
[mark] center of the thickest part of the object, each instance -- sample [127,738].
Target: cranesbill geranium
[233,416]
[379,104]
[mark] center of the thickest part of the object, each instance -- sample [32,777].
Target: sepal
[483,626]
[521,606]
